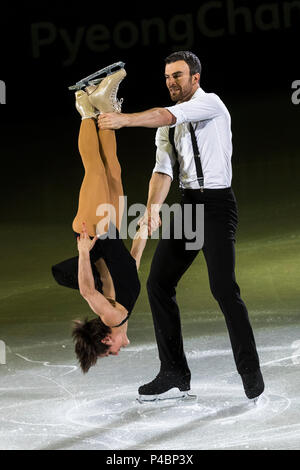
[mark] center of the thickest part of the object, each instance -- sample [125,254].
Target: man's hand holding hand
[152,219]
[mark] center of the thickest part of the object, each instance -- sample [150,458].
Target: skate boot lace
[117,104]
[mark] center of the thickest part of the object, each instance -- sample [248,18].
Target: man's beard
[181,93]
[177,96]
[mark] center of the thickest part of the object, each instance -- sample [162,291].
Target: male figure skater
[202,127]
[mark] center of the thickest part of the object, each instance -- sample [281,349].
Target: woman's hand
[84,243]
[151,219]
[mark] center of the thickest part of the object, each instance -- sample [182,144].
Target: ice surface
[2,352]
[47,403]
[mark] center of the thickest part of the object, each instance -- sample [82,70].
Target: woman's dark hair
[87,336]
[191,59]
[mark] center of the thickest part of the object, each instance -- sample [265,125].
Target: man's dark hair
[188,57]
[87,335]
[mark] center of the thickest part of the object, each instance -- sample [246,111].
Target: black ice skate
[253,384]
[166,386]
[97,77]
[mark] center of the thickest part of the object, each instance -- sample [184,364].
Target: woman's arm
[98,303]
[138,244]
[85,275]
[110,315]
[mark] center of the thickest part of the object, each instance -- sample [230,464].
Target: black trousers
[172,259]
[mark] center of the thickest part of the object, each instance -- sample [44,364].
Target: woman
[104,272]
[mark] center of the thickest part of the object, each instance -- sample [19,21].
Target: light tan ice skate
[104,97]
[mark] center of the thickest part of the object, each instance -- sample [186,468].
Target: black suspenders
[197,158]
[172,142]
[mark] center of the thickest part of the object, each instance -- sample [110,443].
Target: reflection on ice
[47,403]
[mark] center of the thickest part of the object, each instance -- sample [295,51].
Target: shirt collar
[199,92]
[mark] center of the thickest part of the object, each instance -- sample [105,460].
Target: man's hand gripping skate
[112,121]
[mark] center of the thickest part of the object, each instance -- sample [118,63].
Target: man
[210,136]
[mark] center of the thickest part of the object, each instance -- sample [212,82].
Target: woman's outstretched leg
[94,189]
[108,150]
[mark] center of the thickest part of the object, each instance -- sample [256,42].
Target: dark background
[252,70]
[251,66]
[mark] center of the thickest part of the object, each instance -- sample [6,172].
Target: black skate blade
[110,69]
[174,396]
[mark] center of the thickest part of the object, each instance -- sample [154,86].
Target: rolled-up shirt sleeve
[202,108]
[165,157]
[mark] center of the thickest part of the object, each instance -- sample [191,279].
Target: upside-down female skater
[104,271]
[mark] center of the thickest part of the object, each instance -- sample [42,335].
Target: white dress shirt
[212,124]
